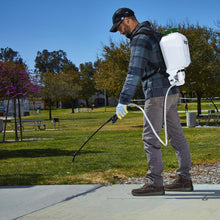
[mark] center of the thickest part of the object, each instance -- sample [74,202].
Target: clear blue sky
[81,27]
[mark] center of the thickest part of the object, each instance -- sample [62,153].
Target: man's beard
[127,31]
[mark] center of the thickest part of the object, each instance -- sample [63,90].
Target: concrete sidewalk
[96,202]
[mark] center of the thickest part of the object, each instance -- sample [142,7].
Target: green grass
[114,152]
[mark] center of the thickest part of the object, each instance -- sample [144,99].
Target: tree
[15,84]
[70,87]
[217,48]
[87,81]
[49,65]
[9,55]
[61,86]
[202,76]
[70,84]
[52,62]
[50,89]
[112,70]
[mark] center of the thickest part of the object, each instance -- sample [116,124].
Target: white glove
[121,110]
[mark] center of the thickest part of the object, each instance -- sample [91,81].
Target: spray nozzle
[114,118]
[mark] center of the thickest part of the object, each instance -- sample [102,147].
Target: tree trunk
[6,118]
[50,110]
[16,130]
[19,115]
[199,110]
[72,105]
[87,103]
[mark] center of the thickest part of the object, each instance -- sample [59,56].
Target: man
[146,65]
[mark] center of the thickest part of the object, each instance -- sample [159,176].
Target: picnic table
[36,124]
[208,118]
[54,121]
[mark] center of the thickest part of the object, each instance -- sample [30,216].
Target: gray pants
[154,110]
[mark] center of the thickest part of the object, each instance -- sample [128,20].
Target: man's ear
[126,20]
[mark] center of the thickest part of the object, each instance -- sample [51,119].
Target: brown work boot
[180,184]
[148,190]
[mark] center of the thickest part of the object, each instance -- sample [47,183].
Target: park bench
[36,124]
[207,118]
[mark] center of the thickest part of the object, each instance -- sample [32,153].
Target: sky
[81,27]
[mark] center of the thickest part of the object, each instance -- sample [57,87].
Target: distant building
[35,103]
[24,104]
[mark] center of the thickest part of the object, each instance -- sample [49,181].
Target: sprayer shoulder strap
[153,65]
[142,31]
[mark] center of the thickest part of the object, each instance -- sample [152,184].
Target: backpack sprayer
[175,50]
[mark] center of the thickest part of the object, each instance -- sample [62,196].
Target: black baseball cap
[119,15]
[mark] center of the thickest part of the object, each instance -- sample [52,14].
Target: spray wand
[113,119]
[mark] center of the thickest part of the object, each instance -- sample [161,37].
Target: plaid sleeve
[141,48]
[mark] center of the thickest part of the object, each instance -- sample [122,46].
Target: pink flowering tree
[15,84]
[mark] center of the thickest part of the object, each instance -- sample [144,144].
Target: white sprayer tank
[175,50]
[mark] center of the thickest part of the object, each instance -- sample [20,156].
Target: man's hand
[121,110]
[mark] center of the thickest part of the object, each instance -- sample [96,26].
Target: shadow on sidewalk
[196,194]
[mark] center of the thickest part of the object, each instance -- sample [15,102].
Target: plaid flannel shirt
[145,48]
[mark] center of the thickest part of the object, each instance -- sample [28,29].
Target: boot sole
[149,194]
[180,190]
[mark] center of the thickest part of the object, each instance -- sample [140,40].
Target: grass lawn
[115,152]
